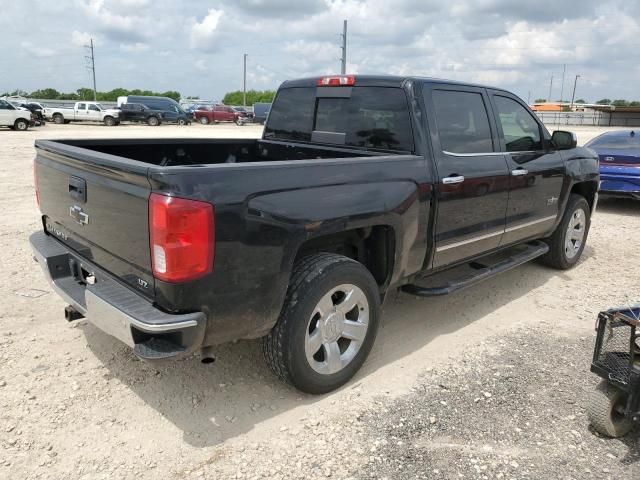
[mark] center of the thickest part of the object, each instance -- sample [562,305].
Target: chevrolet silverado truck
[358,186]
[83,112]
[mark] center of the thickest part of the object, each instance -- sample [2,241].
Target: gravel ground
[76,404]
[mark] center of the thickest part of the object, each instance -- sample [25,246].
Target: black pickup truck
[137,112]
[360,184]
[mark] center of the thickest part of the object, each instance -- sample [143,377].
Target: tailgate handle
[78,189]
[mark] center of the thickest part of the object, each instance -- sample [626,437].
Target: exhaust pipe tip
[207,356]
[71,314]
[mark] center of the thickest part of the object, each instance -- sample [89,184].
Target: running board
[482,272]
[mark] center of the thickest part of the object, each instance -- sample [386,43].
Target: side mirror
[564,140]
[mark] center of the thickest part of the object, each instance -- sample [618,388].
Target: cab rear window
[371,117]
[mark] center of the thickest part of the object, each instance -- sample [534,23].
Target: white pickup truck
[83,112]
[14,117]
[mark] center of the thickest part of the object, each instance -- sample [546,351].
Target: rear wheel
[21,124]
[58,118]
[327,325]
[204,120]
[606,411]
[153,121]
[109,121]
[567,242]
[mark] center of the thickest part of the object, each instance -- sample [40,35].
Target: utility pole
[244,83]
[550,87]
[529,98]
[92,59]
[343,60]
[564,69]
[573,95]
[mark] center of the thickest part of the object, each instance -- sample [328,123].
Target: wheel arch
[373,246]
[587,189]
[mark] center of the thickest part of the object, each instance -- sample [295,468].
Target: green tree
[634,103]
[580,100]
[604,101]
[620,103]
[253,96]
[540,100]
[47,94]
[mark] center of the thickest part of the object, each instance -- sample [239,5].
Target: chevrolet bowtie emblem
[78,215]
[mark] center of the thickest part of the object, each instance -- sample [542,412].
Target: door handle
[518,172]
[453,179]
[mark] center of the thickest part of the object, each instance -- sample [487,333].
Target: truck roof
[381,81]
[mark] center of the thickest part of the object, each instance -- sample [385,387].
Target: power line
[343,60]
[244,83]
[92,67]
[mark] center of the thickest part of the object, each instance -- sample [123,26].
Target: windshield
[100,107]
[631,141]
[372,117]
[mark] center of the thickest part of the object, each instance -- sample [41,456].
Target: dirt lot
[487,383]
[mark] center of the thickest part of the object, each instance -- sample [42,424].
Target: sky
[196,46]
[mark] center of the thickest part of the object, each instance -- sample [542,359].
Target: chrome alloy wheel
[337,328]
[575,233]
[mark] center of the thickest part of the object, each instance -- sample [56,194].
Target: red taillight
[182,238]
[35,184]
[337,81]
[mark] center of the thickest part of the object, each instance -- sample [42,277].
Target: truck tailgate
[97,204]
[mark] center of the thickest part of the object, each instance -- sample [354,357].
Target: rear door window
[372,117]
[520,130]
[463,122]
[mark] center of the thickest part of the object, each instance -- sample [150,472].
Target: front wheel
[109,121]
[204,120]
[327,325]
[567,242]
[21,125]
[182,122]
[606,411]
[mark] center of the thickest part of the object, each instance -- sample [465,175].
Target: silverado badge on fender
[78,215]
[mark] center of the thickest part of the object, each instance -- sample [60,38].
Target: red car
[219,113]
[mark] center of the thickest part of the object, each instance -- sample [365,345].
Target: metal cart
[614,406]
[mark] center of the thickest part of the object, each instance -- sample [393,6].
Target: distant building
[547,107]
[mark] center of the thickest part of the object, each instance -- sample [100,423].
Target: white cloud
[205,33]
[134,47]
[37,51]
[80,39]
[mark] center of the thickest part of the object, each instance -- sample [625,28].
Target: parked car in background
[260,112]
[619,154]
[36,109]
[206,114]
[14,117]
[171,110]
[137,112]
[244,112]
[83,112]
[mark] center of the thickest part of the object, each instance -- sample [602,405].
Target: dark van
[171,110]
[260,112]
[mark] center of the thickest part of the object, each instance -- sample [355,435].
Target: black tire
[203,120]
[602,411]
[238,122]
[21,124]
[109,121]
[182,122]
[153,121]
[284,347]
[58,119]
[558,256]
